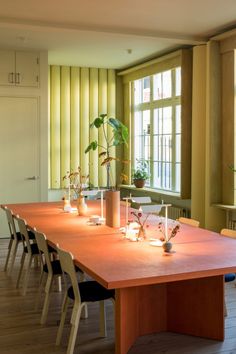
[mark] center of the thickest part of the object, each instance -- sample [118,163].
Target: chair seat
[56,267]
[18,235]
[91,291]
[229,277]
[34,248]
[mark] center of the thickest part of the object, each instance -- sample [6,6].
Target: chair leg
[8,254]
[63,317]
[40,290]
[27,273]
[59,284]
[21,269]
[103,327]
[75,318]
[13,257]
[48,287]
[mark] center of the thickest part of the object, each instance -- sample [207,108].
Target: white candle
[166,224]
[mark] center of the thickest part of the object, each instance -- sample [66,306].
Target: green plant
[141,171]
[119,137]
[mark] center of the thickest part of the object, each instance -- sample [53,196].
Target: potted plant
[119,137]
[140,173]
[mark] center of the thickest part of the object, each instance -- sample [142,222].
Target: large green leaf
[92,146]
[114,123]
[98,122]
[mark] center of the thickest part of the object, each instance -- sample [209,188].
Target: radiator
[175,212]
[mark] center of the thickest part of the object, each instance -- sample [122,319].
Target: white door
[19,152]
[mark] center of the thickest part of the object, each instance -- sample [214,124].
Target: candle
[166,224]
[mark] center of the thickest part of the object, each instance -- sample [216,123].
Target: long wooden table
[181,292]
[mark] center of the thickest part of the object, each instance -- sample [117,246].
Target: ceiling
[111,33]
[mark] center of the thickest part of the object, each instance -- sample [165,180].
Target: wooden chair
[230,276]
[30,251]
[15,239]
[189,221]
[81,294]
[51,268]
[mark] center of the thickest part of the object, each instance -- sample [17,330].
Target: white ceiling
[111,33]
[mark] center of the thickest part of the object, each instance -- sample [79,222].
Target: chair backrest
[10,222]
[43,248]
[141,200]
[68,267]
[189,221]
[24,233]
[228,233]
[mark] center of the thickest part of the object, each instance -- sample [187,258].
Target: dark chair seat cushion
[31,235]
[18,235]
[77,269]
[229,277]
[56,267]
[91,291]
[34,249]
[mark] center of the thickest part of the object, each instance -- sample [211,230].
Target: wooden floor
[21,333]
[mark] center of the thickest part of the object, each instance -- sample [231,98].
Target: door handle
[33,178]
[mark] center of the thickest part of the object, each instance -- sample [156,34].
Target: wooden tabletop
[117,263]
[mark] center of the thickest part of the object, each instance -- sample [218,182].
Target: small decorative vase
[81,205]
[167,246]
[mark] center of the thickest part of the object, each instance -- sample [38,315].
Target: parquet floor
[21,332]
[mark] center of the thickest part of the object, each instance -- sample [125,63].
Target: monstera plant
[119,137]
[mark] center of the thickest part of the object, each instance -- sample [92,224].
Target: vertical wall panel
[111,99]
[102,107]
[84,122]
[75,118]
[65,120]
[49,129]
[93,133]
[55,126]
[199,134]
[77,96]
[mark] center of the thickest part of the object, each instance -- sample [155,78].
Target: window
[156,125]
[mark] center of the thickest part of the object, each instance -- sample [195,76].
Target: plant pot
[139,183]
[113,208]
[167,246]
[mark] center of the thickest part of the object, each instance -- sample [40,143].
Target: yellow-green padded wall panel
[55,126]
[75,118]
[93,132]
[111,112]
[84,122]
[65,121]
[102,107]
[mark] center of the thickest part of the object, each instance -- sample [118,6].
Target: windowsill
[151,190]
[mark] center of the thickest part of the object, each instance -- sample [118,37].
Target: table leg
[194,307]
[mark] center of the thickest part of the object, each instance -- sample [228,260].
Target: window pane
[166,83]
[177,148]
[146,89]
[142,90]
[159,138]
[167,120]
[178,81]
[177,178]
[157,87]
[178,119]
[142,135]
